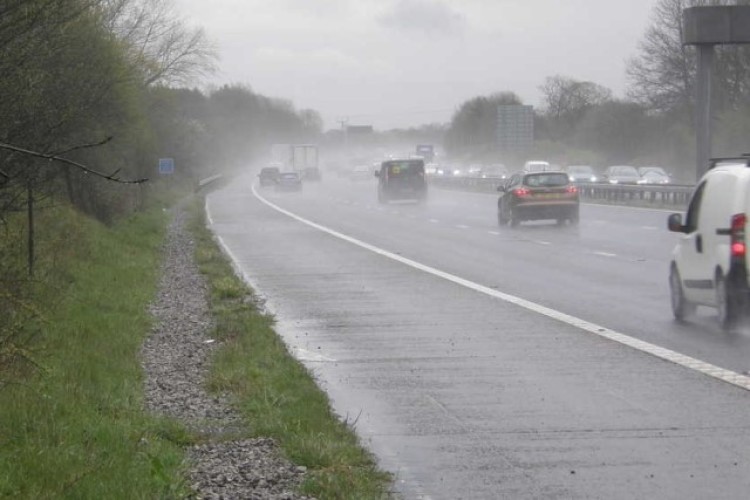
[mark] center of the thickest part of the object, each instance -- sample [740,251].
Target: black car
[401,180]
[312,174]
[538,196]
[289,181]
[268,176]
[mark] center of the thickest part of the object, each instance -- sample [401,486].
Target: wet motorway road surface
[464,395]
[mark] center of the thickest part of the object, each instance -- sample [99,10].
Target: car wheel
[502,221]
[681,308]
[726,303]
[513,218]
[574,217]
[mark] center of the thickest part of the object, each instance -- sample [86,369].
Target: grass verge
[275,393]
[74,426]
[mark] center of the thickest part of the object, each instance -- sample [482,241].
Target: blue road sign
[166,166]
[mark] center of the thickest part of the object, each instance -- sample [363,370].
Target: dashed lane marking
[605,254]
[708,369]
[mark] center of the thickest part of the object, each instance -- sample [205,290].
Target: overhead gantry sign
[706,27]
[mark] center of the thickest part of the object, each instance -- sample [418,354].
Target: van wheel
[726,304]
[681,308]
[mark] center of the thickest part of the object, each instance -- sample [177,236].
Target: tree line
[93,93]
[104,83]
[582,122]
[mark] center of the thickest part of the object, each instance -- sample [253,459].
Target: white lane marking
[605,254]
[494,233]
[434,221]
[540,242]
[301,354]
[305,355]
[461,226]
[646,347]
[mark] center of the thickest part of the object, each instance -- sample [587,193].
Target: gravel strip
[176,359]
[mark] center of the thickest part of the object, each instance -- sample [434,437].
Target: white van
[709,263]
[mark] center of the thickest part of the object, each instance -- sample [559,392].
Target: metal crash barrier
[671,195]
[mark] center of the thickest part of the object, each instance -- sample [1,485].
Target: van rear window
[405,168]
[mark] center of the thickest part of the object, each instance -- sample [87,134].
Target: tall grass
[72,423]
[73,426]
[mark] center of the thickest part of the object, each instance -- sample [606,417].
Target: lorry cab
[709,263]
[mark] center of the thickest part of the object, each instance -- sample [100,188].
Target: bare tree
[568,98]
[473,128]
[662,75]
[159,42]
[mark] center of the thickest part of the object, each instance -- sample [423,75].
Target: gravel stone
[176,359]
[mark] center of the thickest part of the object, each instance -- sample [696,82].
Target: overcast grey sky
[401,63]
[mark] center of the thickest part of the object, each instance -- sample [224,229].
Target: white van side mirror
[674,223]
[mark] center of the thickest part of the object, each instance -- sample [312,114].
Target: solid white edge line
[303,354]
[708,369]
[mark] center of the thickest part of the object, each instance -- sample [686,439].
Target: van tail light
[521,192]
[737,235]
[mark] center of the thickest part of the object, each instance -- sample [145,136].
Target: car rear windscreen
[546,180]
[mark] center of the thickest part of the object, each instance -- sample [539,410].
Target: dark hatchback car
[268,176]
[538,196]
[401,180]
[289,181]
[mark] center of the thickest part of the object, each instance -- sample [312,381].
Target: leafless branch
[83,146]
[83,168]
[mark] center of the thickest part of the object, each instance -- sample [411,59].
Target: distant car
[494,172]
[474,171]
[653,175]
[581,174]
[268,176]
[536,166]
[621,174]
[312,174]
[538,196]
[710,264]
[289,181]
[361,173]
[401,180]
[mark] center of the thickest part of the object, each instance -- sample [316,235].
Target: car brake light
[571,190]
[738,235]
[521,192]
